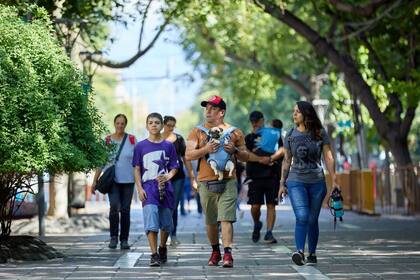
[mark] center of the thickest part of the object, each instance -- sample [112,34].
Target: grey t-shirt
[306,156]
[123,168]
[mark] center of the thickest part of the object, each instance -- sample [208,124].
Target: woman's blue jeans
[306,199]
[178,186]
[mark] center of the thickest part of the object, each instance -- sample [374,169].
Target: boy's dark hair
[121,115]
[277,123]
[154,115]
[167,119]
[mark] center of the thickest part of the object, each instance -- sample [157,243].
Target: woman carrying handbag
[121,190]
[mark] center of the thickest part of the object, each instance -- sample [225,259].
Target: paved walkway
[363,247]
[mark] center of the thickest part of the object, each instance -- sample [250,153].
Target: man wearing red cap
[218,197]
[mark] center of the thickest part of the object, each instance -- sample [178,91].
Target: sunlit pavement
[363,247]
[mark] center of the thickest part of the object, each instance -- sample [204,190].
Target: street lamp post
[321,107]
[360,135]
[40,198]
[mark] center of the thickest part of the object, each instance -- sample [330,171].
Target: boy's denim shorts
[156,218]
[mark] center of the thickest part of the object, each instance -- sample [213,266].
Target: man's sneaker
[269,238]
[227,260]
[113,242]
[124,245]
[256,232]
[311,260]
[163,254]
[298,258]
[214,258]
[154,260]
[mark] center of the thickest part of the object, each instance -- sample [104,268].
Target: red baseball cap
[215,101]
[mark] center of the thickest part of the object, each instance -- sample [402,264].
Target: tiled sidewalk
[363,247]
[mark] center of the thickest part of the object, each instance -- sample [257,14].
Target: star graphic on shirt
[161,163]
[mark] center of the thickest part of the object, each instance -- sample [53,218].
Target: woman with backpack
[303,178]
[122,190]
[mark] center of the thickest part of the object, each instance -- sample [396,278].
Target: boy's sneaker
[163,254]
[154,260]
[214,258]
[124,245]
[113,242]
[311,260]
[298,258]
[256,232]
[269,238]
[227,260]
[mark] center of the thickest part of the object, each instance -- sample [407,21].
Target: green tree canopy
[371,48]
[47,121]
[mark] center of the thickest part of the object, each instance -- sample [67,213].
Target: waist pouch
[216,186]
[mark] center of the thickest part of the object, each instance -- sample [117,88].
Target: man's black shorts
[264,187]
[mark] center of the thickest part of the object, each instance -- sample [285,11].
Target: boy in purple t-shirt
[155,163]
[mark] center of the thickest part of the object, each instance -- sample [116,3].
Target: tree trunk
[58,196]
[51,196]
[398,145]
[406,173]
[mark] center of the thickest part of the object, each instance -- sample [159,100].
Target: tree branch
[354,81]
[332,29]
[408,120]
[251,62]
[359,10]
[272,70]
[367,25]
[130,61]
[395,106]
[140,53]
[375,58]
[143,23]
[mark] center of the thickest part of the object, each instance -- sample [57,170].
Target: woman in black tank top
[178,180]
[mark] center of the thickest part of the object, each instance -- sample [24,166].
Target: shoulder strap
[203,129]
[132,139]
[229,130]
[121,147]
[206,131]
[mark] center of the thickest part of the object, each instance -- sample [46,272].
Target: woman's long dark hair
[310,119]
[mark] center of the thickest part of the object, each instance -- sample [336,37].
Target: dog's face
[215,132]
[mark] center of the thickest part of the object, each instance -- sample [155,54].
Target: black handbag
[106,180]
